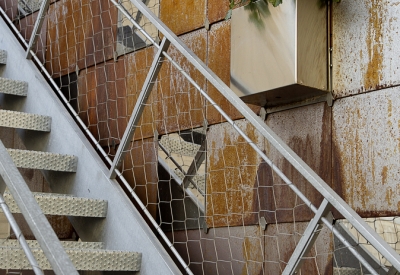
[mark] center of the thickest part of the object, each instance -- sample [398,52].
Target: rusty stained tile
[10,7]
[102,101]
[181,105]
[137,66]
[219,61]
[307,132]
[280,242]
[140,170]
[183,16]
[365,52]
[217,10]
[80,33]
[232,182]
[25,26]
[366,139]
[234,250]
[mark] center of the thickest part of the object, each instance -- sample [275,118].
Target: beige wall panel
[280,242]
[219,61]
[307,132]
[180,104]
[365,51]
[232,176]
[366,139]
[183,16]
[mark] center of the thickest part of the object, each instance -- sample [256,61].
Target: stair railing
[40,226]
[331,199]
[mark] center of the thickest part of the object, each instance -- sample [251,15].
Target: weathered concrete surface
[219,61]
[80,33]
[365,51]
[183,16]
[181,106]
[366,139]
[232,180]
[307,131]
[228,251]
[281,240]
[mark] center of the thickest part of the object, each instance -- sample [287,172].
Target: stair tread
[13,87]
[83,259]
[43,160]
[3,57]
[13,119]
[61,204]
[33,244]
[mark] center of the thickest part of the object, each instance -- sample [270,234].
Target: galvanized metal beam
[139,106]
[38,26]
[194,167]
[33,215]
[307,241]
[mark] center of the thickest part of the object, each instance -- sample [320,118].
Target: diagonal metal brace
[38,26]
[195,165]
[139,106]
[308,239]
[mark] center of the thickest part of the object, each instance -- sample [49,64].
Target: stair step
[60,204]
[3,57]
[346,271]
[33,244]
[43,160]
[83,259]
[176,145]
[13,87]
[26,121]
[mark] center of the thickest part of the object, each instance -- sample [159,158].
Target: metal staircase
[113,235]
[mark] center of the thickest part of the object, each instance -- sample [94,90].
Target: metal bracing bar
[194,166]
[307,241]
[139,106]
[322,187]
[20,236]
[178,166]
[38,26]
[34,216]
[180,183]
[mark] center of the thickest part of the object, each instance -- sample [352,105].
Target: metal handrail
[34,217]
[20,237]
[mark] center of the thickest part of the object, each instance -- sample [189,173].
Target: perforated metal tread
[13,87]
[26,121]
[175,144]
[43,160]
[3,57]
[8,243]
[346,271]
[59,204]
[83,259]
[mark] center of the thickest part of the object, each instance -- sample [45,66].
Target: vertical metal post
[38,26]
[308,239]
[20,237]
[139,106]
[34,216]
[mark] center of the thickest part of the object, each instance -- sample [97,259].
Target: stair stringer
[124,228]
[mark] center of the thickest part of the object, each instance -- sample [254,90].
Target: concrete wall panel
[366,131]
[307,131]
[365,55]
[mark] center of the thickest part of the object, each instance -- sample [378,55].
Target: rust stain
[390,107]
[389,196]
[398,206]
[253,256]
[384,175]
[373,75]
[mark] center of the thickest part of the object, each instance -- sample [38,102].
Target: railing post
[139,106]
[38,26]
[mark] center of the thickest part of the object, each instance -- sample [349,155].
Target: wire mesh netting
[219,201]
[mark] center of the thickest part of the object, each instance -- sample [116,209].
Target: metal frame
[20,237]
[33,215]
[38,26]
